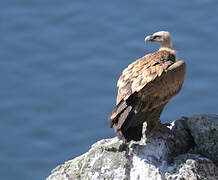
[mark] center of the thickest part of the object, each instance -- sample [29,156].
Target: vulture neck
[169,49]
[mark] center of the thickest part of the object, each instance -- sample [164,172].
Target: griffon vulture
[145,87]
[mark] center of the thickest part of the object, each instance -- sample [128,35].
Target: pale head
[162,37]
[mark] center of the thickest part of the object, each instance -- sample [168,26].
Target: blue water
[59,63]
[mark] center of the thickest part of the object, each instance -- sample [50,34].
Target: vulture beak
[149,38]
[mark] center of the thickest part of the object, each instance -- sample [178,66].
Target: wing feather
[163,88]
[138,74]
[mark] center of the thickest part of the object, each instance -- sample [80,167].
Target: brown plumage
[145,87]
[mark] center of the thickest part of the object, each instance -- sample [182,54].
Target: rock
[105,160]
[193,167]
[204,130]
[164,153]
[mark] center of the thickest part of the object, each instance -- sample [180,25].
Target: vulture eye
[157,37]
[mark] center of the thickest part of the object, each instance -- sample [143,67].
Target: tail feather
[127,118]
[117,111]
[122,109]
[122,119]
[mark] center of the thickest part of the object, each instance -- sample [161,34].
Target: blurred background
[60,61]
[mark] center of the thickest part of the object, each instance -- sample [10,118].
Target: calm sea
[59,63]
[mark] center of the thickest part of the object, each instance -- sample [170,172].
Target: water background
[59,63]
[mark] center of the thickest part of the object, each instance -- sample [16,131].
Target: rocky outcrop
[192,167]
[186,149]
[204,130]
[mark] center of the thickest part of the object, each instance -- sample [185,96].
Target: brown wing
[138,74]
[163,88]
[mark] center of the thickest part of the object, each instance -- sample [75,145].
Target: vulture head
[162,37]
